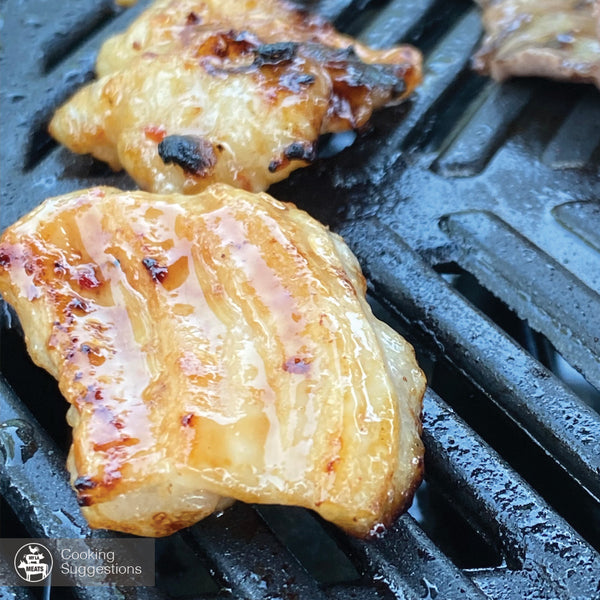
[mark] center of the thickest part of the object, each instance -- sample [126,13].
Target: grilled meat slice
[214,347]
[559,39]
[227,91]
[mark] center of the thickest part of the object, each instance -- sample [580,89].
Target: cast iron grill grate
[498,184]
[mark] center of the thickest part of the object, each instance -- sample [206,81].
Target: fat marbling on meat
[214,347]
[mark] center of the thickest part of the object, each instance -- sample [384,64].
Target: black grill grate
[499,182]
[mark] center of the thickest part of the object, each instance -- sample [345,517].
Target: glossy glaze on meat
[227,91]
[214,347]
[559,39]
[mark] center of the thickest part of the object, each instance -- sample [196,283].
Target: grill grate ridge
[502,260]
[583,219]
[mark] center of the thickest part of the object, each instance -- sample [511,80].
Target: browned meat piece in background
[559,39]
[227,91]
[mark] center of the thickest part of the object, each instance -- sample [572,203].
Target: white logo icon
[33,562]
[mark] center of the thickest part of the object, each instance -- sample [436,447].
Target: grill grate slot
[306,539]
[574,144]
[526,280]
[466,545]
[519,330]
[524,454]
[424,25]
[179,569]
[483,130]
[396,23]
[536,543]
[251,561]
[443,67]
[74,32]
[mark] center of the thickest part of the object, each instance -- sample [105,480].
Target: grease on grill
[193,154]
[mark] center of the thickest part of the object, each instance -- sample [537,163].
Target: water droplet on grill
[17,441]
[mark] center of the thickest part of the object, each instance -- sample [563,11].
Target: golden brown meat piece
[559,39]
[227,91]
[214,347]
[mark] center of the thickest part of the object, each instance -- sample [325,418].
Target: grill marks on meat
[559,39]
[247,80]
[226,352]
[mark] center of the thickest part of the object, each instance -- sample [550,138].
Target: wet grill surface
[474,210]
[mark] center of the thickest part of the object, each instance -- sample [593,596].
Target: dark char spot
[274,165]
[193,154]
[300,151]
[357,73]
[274,54]
[84,483]
[192,19]
[295,151]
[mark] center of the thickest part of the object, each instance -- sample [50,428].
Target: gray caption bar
[77,562]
